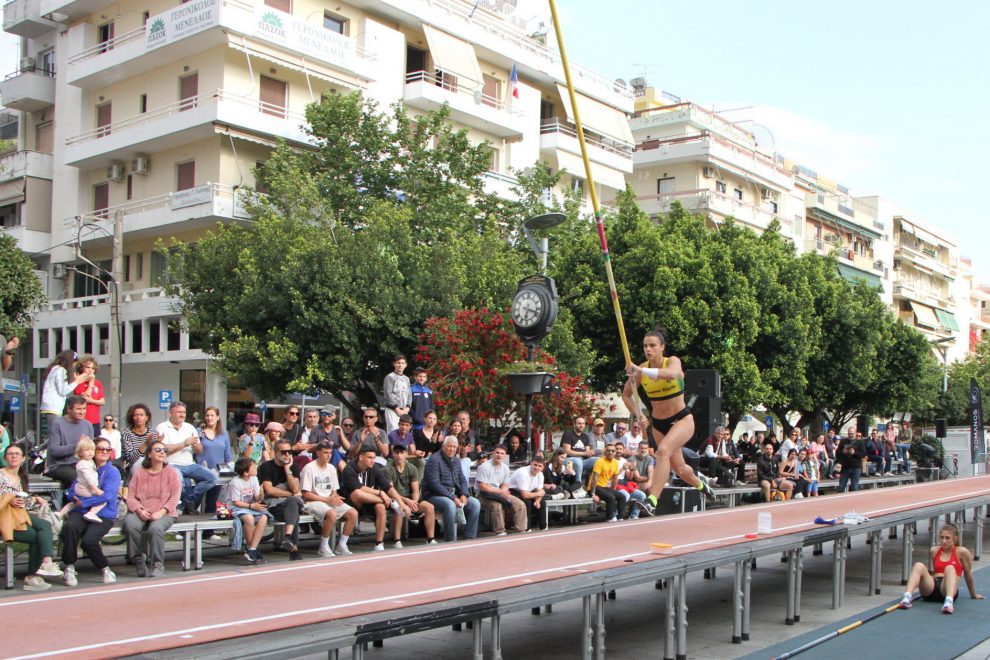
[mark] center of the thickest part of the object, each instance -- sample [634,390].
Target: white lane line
[519,576]
[189,632]
[458,547]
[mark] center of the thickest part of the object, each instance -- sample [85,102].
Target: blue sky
[888,98]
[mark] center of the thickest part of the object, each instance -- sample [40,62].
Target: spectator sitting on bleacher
[429,438]
[788,444]
[446,488]
[404,436]
[492,480]
[720,457]
[369,435]
[366,488]
[182,442]
[577,443]
[526,483]
[251,444]
[603,482]
[320,486]
[629,489]
[78,531]
[64,433]
[279,479]
[405,476]
[245,499]
[559,479]
[152,498]
[17,524]
[790,470]
[767,476]
[874,453]
[517,450]
[327,431]
[616,437]
[137,437]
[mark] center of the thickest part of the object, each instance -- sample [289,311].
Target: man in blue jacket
[446,488]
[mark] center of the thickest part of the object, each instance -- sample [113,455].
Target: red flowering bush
[466,353]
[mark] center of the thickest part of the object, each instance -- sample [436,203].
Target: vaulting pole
[606,257]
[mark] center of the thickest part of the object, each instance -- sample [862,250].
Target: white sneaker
[109,577]
[35,583]
[613,519]
[49,569]
[432,542]
[502,534]
[342,549]
[324,551]
[799,496]
[69,576]
[379,547]
[580,493]
[906,602]
[397,545]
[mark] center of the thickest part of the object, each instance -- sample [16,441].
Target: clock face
[527,308]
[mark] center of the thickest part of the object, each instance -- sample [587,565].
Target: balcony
[707,148]
[180,123]
[925,257]
[716,205]
[28,240]
[24,18]
[502,39]
[163,215]
[468,104]
[148,309]
[920,292]
[26,163]
[29,89]
[555,134]
[216,23]
[697,116]
[500,185]
[74,9]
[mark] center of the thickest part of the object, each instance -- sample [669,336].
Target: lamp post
[534,307]
[945,359]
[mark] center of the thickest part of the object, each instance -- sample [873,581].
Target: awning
[947,319]
[294,63]
[919,233]
[924,315]
[602,174]
[453,55]
[852,274]
[12,192]
[825,216]
[223,129]
[597,116]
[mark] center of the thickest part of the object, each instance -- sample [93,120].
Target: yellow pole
[591,185]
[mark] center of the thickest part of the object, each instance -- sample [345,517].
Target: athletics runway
[193,609]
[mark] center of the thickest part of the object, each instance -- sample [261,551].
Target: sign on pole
[164,399]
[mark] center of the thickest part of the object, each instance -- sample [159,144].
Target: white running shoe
[342,549]
[49,569]
[397,545]
[69,576]
[379,547]
[109,577]
[906,602]
[324,551]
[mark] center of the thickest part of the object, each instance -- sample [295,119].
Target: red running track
[103,622]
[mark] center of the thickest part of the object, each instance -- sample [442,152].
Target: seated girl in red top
[950,561]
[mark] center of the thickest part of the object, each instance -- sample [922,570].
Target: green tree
[954,405]
[21,292]
[356,243]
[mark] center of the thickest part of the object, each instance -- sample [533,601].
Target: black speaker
[940,431]
[863,425]
[702,382]
[707,413]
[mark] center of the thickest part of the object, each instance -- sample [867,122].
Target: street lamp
[534,306]
[945,359]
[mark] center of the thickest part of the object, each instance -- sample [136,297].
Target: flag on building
[514,83]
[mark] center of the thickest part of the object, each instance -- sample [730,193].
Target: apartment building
[158,112]
[975,320]
[928,292]
[712,166]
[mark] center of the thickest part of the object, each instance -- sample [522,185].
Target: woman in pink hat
[273,433]
[252,444]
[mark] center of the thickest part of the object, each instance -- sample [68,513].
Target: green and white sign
[309,39]
[180,22]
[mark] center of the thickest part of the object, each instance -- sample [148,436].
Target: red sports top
[953,561]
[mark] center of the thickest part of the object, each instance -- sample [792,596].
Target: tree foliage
[21,292]
[466,355]
[355,244]
[954,404]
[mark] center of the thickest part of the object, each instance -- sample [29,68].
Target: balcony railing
[738,149]
[40,70]
[610,145]
[173,109]
[463,86]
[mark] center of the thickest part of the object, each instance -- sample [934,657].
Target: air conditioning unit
[140,165]
[115,172]
[768,194]
[59,271]
[27,63]
[819,244]
[708,172]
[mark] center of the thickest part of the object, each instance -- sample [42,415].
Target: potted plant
[527,377]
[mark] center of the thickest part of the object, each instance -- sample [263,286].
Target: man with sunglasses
[329,432]
[370,436]
[279,479]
